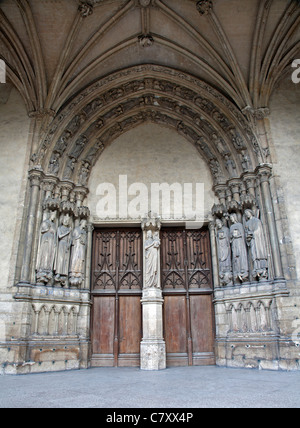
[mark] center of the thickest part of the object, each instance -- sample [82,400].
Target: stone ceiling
[55,48]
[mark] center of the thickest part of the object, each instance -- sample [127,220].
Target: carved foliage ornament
[204,7]
[85,9]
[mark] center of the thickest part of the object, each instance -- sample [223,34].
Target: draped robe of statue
[63,252]
[78,254]
[151,257]
[256,241]
[224,253]
[239,250]
[46,251]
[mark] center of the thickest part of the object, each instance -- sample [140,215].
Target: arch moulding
[70,147]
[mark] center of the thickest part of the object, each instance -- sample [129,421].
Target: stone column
[214,254]
[264,173]
[35,176]
[153,348]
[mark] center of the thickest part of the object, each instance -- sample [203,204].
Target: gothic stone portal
[117,283]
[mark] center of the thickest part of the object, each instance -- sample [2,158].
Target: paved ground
[187,387]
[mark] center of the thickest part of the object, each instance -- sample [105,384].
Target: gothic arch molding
[95,117]
[109,107]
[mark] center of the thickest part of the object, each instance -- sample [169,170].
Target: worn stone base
[153,355]
[39,354]
[265,352]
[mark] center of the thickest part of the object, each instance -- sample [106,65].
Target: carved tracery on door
[116,293]
[187,289]
[117,281]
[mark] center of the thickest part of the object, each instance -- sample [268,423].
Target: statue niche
[239,250]
[61,267]
[46,251]
[256,241]
[152,245]
[224,253]
[78,253]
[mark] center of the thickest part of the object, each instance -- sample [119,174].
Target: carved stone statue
[78,254]
[152,245]
[63,251]
[230,166]
[224,253]
[46,251]
[84,173]
[239,250]
[69,168]
[53,167]
[79,145]
[256,241]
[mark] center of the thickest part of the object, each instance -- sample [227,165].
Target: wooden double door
[117,282]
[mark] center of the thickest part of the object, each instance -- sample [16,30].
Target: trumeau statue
[63,251]
[224,253]
[78,254]
[46,252]
[152,245]
[239,250]
[256,241]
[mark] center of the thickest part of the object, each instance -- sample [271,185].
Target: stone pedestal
[153,348]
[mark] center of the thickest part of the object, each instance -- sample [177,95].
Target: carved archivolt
[92,120]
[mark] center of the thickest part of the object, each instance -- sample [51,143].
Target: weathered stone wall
[14,132]
[285,147]
[285,150]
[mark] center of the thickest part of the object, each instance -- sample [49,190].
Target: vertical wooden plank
[130,324]
[130,331]
[103,325]
[175,329]
[202,324]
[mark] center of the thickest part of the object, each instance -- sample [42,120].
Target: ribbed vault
[54,49]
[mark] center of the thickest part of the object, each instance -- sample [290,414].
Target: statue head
[66,220]
[249,214]
[52,215]
[83,223]
[219,223]
[233,218]
[149,234]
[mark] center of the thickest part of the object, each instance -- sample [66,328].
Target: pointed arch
[99,114]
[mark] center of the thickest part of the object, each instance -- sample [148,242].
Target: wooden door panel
[187,288]
[116,289]
[202,323]
[175,330]
[103,331]
[130,325]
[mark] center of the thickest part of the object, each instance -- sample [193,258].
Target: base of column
[153,354]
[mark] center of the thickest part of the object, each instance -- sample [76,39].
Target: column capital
[151,221]
[80,194]
[49,183]
[35,176]
[264,172]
